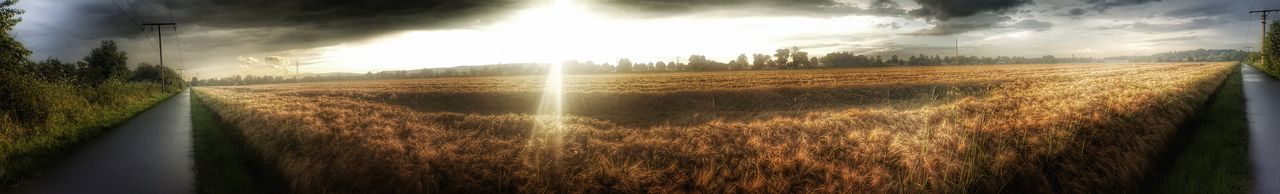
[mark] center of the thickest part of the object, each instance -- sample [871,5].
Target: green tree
[105,63]
[55,70]
[12,53]
[698,63]
[800,59]
[625,65]
[783,55]
[759,61]
[1271,47]
[741,62]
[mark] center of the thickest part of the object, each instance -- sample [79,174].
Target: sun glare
[568,30]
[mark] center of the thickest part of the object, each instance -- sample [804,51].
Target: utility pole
[296,70]
[160,37]
[1262,41]
[957,51]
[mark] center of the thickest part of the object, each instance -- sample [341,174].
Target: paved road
[149,154]
[1262,94]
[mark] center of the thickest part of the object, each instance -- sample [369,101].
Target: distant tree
[783,55]
[759,61]
[105,63]
[661,66]
[145,72]
[698,63]
[839,59]
[1048,59]
[55,70]
[893,60]
[157,74]
[625,65]
[741,62]
[800,59]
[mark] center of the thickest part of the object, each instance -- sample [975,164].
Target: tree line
[781,59]
[1198,55]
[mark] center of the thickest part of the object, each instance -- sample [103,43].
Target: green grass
[1215,157]
[1263,68]
[222,164]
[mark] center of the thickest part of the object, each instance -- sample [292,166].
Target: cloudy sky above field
[224,37]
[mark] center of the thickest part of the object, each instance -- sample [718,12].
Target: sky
[216,38]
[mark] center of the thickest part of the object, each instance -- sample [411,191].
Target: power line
[160,36]
[1264,22]
[131,7]
[126,14]
[148,35]
[182,60]
[168,5]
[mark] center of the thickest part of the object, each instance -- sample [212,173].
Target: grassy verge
[1214,158]
[222,165]
[1263,68]
[65,116]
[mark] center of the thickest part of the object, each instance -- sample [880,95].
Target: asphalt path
[147,154]
[1262,94]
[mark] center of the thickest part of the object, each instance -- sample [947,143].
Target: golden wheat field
[1080,128]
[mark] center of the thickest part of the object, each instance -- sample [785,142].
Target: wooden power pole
[160,37]
[296,70]
[1263,40]
[957,51]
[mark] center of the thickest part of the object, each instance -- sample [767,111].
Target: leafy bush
[157,74]
[1270,52]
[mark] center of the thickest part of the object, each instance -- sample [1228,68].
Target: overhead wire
[133,20]
[182,61]
[131,7]
[126,14]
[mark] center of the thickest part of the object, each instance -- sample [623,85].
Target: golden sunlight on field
[1033,128]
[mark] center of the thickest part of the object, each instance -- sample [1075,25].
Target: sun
[560,30]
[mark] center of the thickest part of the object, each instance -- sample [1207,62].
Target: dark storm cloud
[954,17]
[305,23]
[964,24]
[944,10]
[1210,9]
[1195,24]
[67,29]
[658,8]
[1103,5]
[1031,24]
[342,15]
[1076,12]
